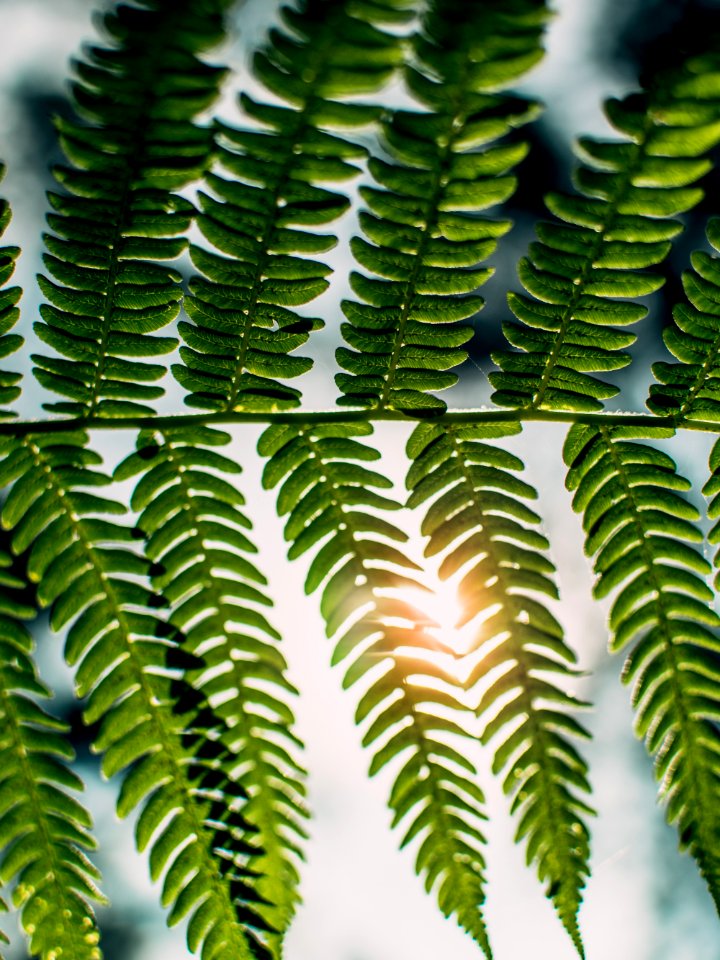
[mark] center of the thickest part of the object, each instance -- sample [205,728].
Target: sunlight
[441,603]
[458,649]
[444,606]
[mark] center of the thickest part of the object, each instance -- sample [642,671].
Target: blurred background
[362,901]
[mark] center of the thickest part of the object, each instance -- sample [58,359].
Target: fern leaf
[479,521]
[711,491]
[197,539]
[581,272]
[690,388]
[4,941]
[410,700]
[9,312]
[643,535]
[424,236]
[118,215]
[154,727]
[262,217]
[43,828]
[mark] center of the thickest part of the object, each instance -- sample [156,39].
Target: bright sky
[362,901]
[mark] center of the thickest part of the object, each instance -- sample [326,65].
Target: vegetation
[160,600]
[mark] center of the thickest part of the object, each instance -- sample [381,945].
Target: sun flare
[442,604]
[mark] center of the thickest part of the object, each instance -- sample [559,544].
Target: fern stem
[478,415]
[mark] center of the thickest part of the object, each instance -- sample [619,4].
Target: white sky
[362,901]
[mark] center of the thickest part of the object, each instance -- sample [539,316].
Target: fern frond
[4,940]
[643,535]
[425,238]
[479,520]
[691,388]
[130,667]
[582,269]
[410,700]
[9,312]
[43,828]
[197,540]
[118,215]
[712,490]
[267,205]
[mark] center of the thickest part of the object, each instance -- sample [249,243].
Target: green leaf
[152,721]
[271,182]
[43,828]
[363,582]
[9,312]
[214,603]
[501,568]
[690,388]
[425,208]
[138,142]
[660,616]
[615,226]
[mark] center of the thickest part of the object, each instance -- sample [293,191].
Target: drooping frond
[118,219]
[9,312]
[643,536]
[197,539]
[43,828]
[267,205]
[690,388]
[712,490]
[416,718]
[581,270]
[155,728]
[166,614]
[424,236]
[3,936]
[479,520]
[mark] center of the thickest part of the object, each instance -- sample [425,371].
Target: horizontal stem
[306,417]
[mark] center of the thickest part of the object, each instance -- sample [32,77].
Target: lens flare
[442,604]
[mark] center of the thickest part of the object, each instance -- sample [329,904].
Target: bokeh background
[362,901]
